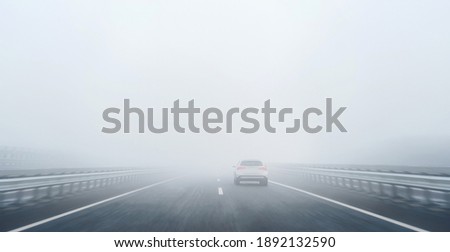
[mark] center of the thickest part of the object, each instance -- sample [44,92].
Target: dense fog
[63,63]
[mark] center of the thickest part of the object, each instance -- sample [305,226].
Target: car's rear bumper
[255,173]
[251,177]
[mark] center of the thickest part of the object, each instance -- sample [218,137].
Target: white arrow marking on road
[220,191]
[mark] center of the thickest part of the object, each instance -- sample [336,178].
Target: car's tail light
[241,167]
[263,168]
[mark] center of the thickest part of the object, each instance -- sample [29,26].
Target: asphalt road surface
[172,201]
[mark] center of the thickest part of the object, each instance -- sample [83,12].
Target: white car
[251,170]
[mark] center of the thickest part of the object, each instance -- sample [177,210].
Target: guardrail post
[409,193]
[48,192]
[19,195]
[34,195]
[363,184]
[427,196]
[61,190]
[381,188]
[71,187]
[359,185]
[447,199]
[394,191]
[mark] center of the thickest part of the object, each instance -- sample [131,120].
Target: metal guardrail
[18,191]
[430,190]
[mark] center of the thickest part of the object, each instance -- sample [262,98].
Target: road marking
[218,180]
[220,191]
[353,208]
[88,206]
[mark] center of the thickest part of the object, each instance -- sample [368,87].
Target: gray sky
[63,63]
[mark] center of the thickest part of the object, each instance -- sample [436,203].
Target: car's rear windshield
[252,163]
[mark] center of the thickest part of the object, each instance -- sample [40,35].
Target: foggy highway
[198,201]
[145,116]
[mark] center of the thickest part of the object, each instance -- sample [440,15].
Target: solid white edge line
[88,206]
[399,223]
[220,191]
